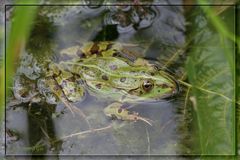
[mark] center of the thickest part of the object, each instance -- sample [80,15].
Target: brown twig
[86,132]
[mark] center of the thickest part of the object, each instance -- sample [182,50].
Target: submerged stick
[87,131]
[148,141]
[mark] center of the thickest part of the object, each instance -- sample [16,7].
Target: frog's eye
[147,85]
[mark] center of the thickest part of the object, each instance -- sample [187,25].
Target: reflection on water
[40,128]
[130,17]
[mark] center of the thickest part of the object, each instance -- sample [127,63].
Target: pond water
[159,32]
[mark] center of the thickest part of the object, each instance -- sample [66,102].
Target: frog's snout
[176,88]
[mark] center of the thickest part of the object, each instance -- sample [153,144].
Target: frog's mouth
[175,89]
[168,96]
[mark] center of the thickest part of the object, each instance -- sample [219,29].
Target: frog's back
[98,49]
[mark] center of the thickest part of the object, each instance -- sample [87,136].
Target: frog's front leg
[116,110]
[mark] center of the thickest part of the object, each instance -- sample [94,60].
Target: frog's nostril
[152,74]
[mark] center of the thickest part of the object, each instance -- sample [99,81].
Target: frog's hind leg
[57,90]
[118,110]
[74,109]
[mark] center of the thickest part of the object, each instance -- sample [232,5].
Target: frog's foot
[134,116]
[116,111]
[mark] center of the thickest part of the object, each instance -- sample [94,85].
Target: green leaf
[211,75]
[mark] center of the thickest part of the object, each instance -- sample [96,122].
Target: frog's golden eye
[147,85]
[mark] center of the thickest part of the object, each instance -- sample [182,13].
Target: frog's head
[159,86]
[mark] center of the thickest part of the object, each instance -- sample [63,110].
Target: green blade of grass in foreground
[15,43]
[1,71]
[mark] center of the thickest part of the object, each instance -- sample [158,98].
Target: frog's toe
[146,120]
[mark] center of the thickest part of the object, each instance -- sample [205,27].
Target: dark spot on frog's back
[105,77]
[95,49]
[98,86]
[123,79]
[119,110]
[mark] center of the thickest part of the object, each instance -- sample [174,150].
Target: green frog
[108,71]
